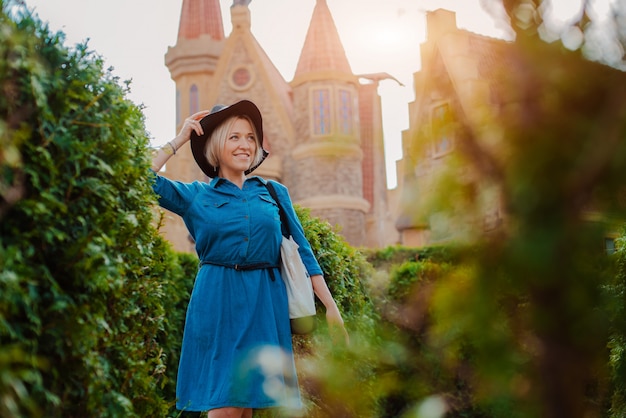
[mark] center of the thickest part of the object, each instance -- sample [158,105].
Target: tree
[530,297]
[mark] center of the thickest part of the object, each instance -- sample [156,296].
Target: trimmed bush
[84,275]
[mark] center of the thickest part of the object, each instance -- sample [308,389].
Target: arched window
[345,112]
[194,99]
[321,112]
[442,129]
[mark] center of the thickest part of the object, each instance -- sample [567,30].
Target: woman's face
[239,149]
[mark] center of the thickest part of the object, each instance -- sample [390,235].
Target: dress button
[246,239]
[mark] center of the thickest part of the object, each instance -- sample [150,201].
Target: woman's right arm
[163,154]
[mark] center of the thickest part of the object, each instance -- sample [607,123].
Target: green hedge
[84,276]
[345,268]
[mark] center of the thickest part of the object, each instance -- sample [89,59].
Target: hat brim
[213,120]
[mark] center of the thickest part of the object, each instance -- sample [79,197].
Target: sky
[377,35]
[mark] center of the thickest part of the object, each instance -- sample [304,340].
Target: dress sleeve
[295,227]
[173,195]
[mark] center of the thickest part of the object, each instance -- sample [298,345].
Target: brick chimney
[440,22]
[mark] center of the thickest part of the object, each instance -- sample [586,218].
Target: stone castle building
[459,78]
[323,129]
[466,81]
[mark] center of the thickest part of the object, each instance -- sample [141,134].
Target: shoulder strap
[281,211]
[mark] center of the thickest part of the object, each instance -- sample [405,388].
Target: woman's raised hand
[191,124]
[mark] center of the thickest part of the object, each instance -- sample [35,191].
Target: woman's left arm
[333,316]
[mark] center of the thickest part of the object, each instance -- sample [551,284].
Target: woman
[236,353]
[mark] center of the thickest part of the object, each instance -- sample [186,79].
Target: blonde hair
[218,138]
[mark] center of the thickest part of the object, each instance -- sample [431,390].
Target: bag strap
[281,211]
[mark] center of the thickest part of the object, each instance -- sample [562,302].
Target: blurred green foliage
[528,320]
[346,272]
[615,292]
[526,302]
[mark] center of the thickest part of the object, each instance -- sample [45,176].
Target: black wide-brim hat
[219,114]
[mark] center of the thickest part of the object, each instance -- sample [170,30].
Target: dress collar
[216,182]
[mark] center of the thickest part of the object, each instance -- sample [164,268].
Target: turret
[327,157]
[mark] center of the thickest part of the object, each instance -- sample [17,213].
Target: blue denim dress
[236,348]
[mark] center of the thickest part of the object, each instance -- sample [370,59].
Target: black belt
[244,267]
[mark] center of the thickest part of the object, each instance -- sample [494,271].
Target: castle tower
[326,161]
[380,230]
[191,62]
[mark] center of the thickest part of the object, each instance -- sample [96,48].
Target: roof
[201,17]
[322,50]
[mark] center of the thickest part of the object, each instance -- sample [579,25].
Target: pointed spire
[200,17]
[323,50]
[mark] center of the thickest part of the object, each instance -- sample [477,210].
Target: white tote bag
[300,294]
[297,281]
